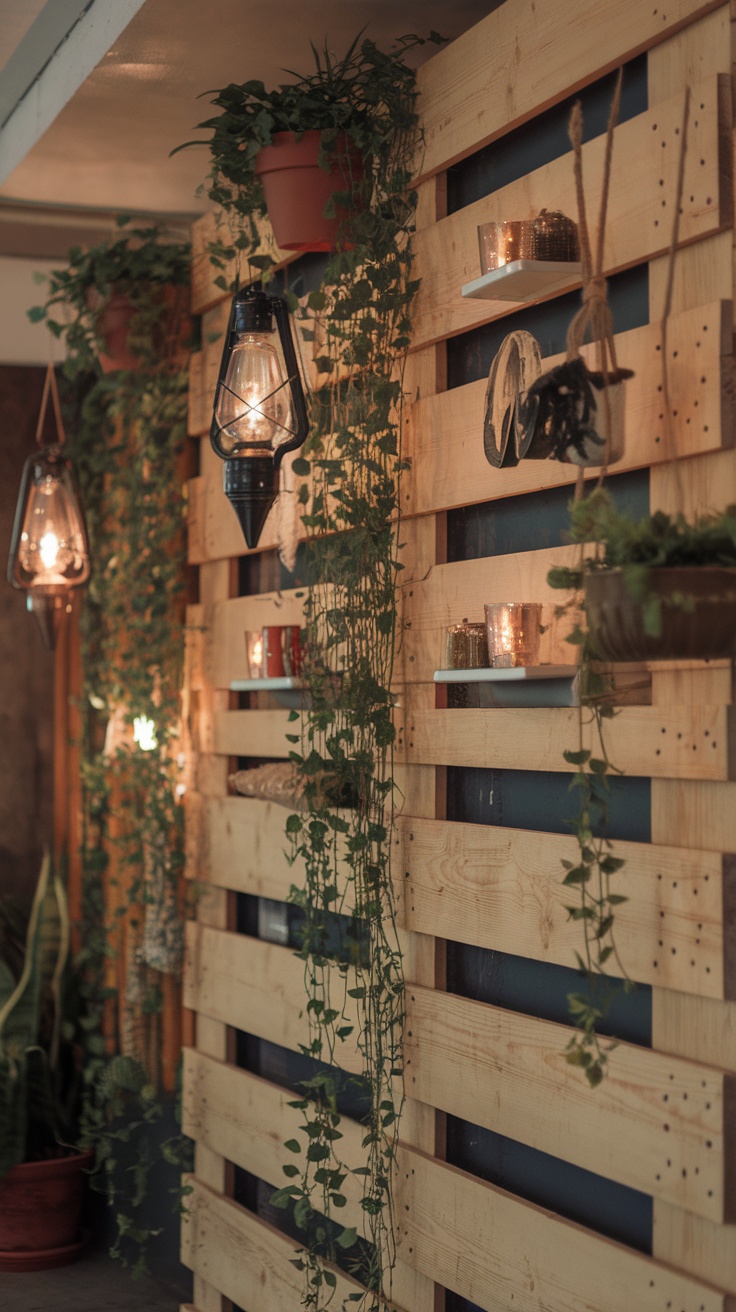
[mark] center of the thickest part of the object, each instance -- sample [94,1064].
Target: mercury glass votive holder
[465,647]
[254,654]
[500,243]
[513,633]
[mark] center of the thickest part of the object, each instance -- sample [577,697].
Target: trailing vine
[127,432]
[351,468]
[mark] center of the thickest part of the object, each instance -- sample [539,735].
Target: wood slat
[503,1070]
[500,1252]
[253,733]
[695,814]
[643,180]
[232,619]
[657,1124]
[254,986]
[215,227]
[502,889]
[247,1259]
[522,59]
[688,742]
[474,1238]
[444,433]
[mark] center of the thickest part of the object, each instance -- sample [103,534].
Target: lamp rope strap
[50,386]
[595,312]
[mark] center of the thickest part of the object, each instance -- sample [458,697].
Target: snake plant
[34,1059]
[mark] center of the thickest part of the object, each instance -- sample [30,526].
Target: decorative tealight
[513,633]
[466,647]
[254,654]
[501,243]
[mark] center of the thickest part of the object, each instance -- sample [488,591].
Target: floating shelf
[282,684]
[523,280]
[514,675]
[524,685]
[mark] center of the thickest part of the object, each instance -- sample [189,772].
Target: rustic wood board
[444,432]
[501,888]
[522,59]
[643,174]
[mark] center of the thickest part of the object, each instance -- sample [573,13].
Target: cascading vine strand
[359,320]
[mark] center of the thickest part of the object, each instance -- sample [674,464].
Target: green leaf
[347,1237]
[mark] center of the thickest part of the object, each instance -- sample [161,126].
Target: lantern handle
[298,400]
[50,385]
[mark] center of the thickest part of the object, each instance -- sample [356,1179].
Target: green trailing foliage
[609,539]
[39,1064]
[351,467]
[126,435]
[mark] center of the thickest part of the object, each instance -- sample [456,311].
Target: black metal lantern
[49,549]
[258,415]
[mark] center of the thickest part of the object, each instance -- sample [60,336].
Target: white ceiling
[108,140]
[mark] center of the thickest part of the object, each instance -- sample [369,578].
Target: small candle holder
[501,243]
[254,654]
[466,647]
[513,633]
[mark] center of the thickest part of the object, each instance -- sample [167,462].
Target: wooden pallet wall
[663,1123]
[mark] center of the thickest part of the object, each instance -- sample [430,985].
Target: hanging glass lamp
[259,414]
[49,550]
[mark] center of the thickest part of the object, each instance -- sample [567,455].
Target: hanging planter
[113,327]
[686,613]
[298,190]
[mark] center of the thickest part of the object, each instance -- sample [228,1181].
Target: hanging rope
[594,314]
[50,386]
[670,444]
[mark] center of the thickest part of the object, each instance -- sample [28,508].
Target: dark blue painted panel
[287,1069]
[534,521]
[470,355]
[524,799]
[602,1205]
[536,988]
[544,138]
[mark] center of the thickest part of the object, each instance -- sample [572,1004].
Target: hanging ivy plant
[350,497]
[612,541]
[127,433]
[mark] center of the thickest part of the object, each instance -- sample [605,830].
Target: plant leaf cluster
[139,264]
[127,433]
[351,466]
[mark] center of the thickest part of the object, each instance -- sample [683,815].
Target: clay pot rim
[76,1159]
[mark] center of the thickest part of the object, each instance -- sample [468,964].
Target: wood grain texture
[232,1249]
[688,742]
[659,1124]
[643,177]
[500,1252]
[521,59]
[253,733]
[501,888]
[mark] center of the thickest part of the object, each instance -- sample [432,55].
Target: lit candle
[254,654]
[513,633]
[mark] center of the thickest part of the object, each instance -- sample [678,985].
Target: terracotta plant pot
[41,1211]
[114,325]
[116,316]
[706,630]
[297,190]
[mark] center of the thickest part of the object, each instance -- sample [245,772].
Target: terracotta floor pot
[40,1213]
[171,338]
[707,631]
[297,190]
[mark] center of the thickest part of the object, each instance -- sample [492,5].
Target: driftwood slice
[507,426]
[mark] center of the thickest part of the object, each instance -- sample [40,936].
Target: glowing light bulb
[254,411]
[49,550]
[144,733]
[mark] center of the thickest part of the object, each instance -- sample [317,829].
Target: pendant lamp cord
[50,386]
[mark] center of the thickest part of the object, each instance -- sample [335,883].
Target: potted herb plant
[658,588]
[305,151]
[42,1174]
[119,296]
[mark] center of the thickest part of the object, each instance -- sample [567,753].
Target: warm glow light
[48,549]
[144,733]
[254,407]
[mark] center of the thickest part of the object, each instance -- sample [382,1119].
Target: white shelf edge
[282,684]
[522,280]
[515,674]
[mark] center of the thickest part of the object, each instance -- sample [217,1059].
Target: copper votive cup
[513,633]
[500,243]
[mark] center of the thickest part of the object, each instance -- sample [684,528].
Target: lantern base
[251,486]
[48,610]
